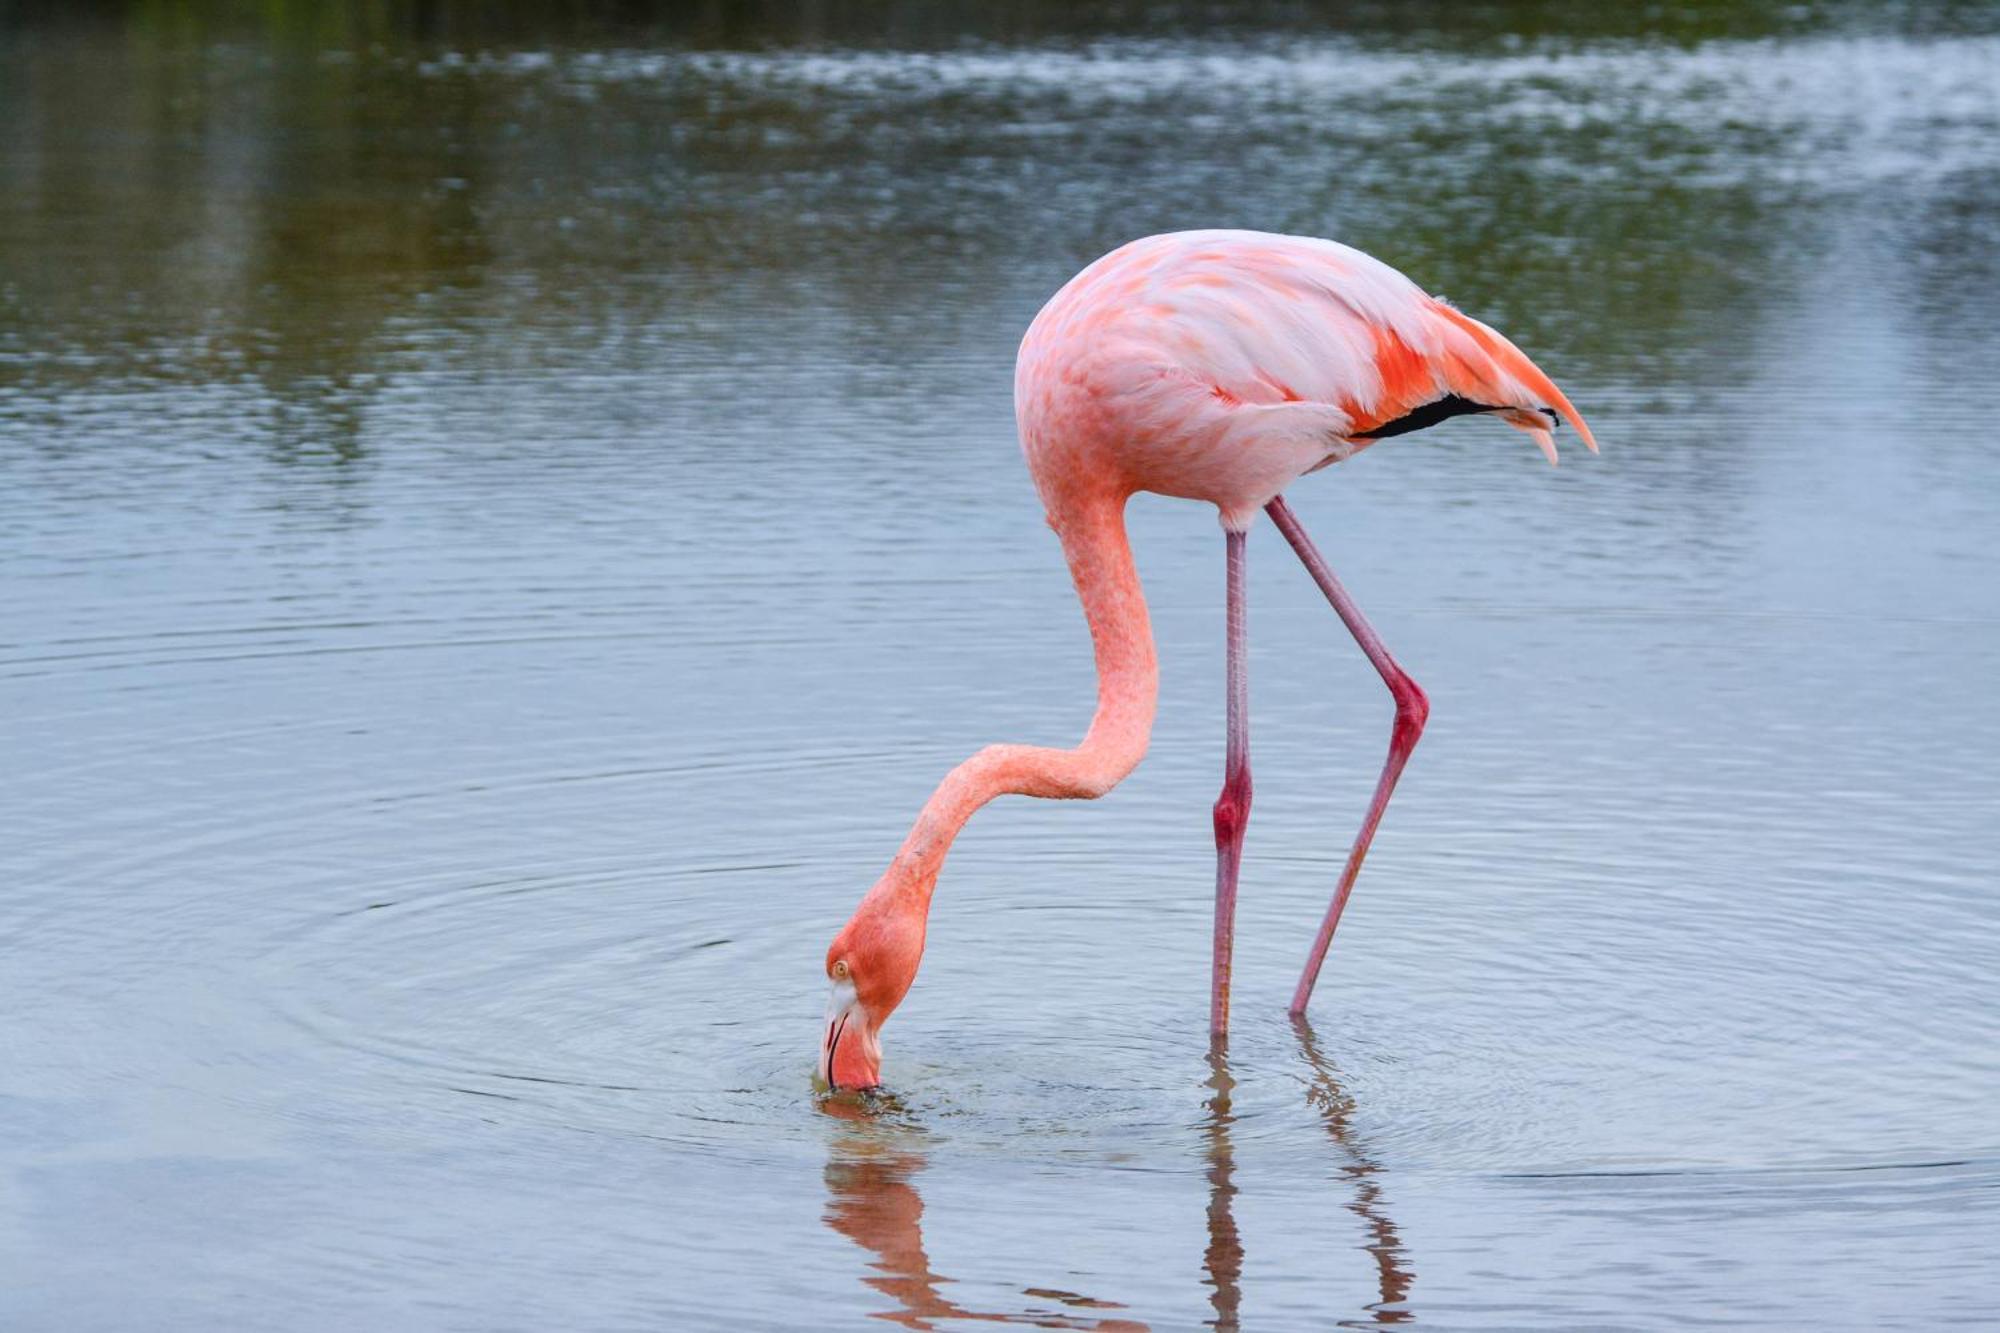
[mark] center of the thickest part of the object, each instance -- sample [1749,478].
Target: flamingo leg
[1232,807]
[1412,707]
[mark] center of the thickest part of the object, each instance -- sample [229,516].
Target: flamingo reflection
[1393,1275]
[1223,1260]
[873,1201]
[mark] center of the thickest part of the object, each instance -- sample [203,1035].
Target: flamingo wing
[1264,321]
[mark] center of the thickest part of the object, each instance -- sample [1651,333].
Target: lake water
[500,529]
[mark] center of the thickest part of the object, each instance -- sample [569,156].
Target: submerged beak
[850,1059]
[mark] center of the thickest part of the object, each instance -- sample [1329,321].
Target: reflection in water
[1223,1260]
[872,1200]
[1336,1109]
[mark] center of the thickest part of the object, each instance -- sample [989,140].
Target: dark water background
[504,516]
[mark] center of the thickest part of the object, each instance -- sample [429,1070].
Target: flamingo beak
[850,1058]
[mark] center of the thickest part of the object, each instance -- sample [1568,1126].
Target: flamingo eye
[840,970]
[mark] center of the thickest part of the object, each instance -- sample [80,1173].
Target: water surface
[501,529]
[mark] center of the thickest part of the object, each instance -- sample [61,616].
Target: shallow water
[502,529]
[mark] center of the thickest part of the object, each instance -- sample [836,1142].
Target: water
[502,528]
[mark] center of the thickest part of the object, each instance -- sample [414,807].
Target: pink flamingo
[1217,366]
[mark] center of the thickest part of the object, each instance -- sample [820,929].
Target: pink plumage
[1221,365]
[1218,366]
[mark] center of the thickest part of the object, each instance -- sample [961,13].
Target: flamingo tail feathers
[1480,364]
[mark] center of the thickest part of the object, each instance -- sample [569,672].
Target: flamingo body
[1223,365]
[1217,366]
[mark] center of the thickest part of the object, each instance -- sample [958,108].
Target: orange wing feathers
[1500,373]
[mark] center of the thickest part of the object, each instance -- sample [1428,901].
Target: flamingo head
[870,965]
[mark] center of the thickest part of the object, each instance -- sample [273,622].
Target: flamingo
[1209,365]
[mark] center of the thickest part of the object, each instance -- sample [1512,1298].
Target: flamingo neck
[1107,582]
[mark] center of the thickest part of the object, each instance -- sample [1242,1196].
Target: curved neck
[1128,677]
